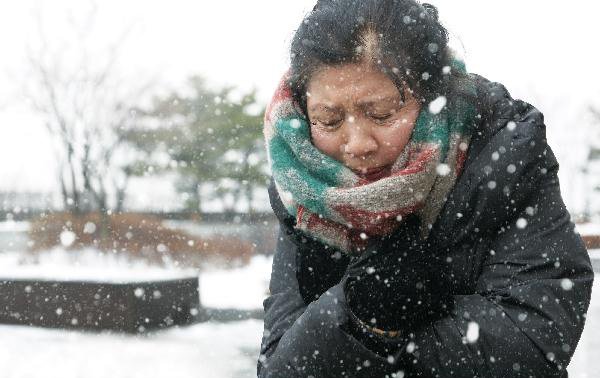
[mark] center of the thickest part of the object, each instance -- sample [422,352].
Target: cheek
[327,142]
[394,138]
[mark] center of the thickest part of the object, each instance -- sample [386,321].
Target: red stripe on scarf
[375,223]
[417,163]
[300,213]
[315,221]
[283,93]
[461,157]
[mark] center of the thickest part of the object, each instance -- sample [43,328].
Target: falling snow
[437,105]
[521,223]
[67,238]
[566,284]
[443,169]
[89,228]
[472,332]
[295,124]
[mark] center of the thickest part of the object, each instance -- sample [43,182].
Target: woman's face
[359,117]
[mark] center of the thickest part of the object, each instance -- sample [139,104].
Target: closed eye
[328,123]
[380,117]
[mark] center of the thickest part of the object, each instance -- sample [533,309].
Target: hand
[399,286]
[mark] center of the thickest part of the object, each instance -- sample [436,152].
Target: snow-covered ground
[208,350]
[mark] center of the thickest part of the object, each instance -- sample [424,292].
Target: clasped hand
[400,285]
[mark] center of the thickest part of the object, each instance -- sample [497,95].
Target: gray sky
[545,52]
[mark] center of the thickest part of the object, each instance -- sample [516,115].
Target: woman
[423,231]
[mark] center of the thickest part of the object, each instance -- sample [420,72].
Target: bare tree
[86,106]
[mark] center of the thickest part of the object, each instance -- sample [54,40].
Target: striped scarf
[341,209]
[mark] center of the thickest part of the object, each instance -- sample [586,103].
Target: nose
[360,143]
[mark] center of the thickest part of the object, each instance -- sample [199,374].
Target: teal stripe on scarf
[293,176]
[296,133]
[432,129]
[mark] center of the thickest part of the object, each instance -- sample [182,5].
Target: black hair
[403,37]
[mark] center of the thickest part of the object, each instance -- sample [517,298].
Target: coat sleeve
[528,312]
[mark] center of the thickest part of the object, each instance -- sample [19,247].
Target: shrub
[137,236]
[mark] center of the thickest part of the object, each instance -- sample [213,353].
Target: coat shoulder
[507,154]
[500,113]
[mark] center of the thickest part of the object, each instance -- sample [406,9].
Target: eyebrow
[321,106]
[390,99]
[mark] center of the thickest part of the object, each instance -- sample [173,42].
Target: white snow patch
[14,226]
[241,288]
[85,264]
[588,228]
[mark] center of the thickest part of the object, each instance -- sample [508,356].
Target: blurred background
[131,151]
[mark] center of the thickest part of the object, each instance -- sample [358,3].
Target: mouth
[373,173]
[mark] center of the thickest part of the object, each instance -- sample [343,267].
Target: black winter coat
[521,275]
